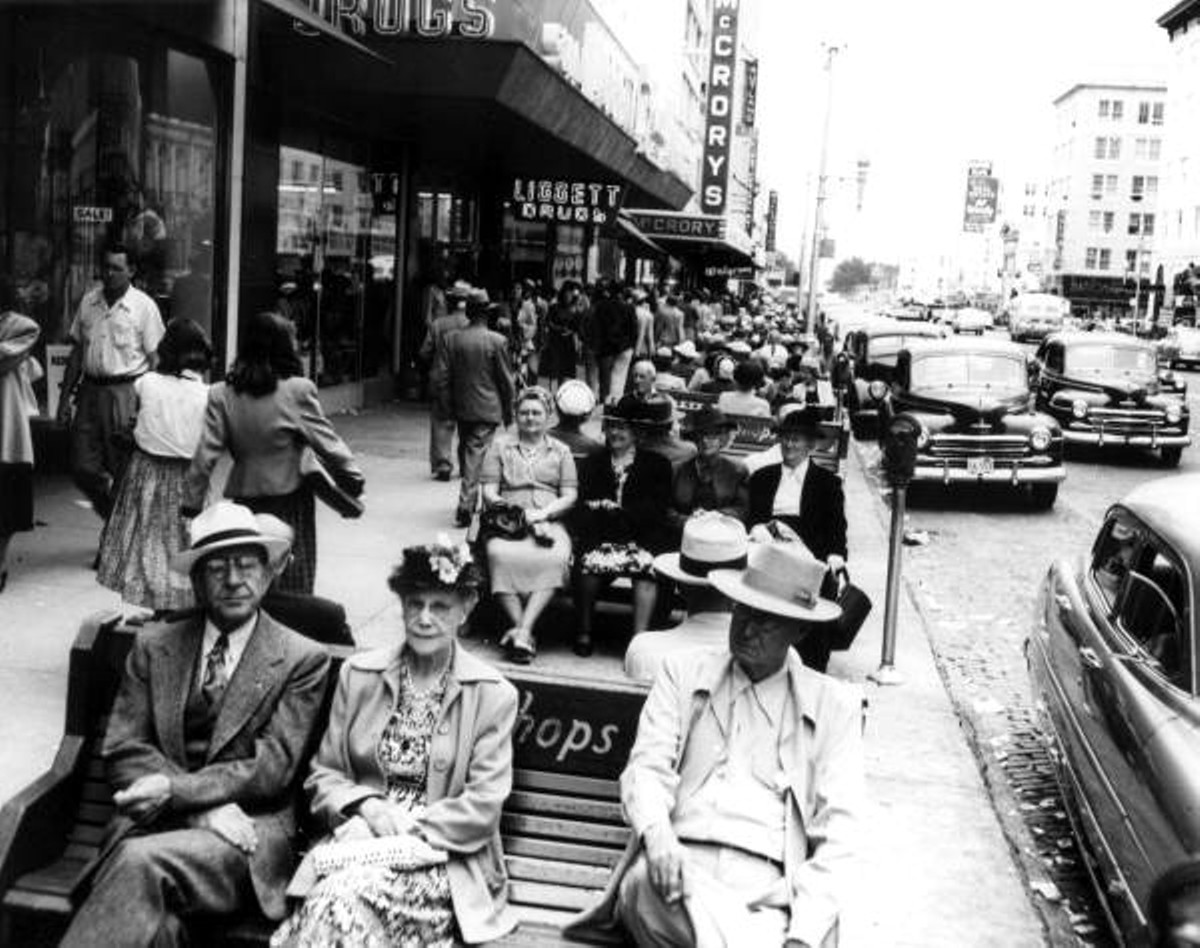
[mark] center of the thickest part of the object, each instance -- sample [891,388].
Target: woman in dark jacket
[620,522]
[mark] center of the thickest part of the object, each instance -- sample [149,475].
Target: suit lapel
[176,663]
[250,683]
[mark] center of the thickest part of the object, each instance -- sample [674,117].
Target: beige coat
[470,773]
[18,334]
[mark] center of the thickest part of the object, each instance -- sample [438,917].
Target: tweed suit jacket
[473,376]
[259,741]
[821,519]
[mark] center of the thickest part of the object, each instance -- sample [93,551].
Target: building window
[1109,218]
[1104,104]
[1155,149]
[1101,147]
[1118,110]
[1089,259]
[1105,258]
[1139,148]
[1148,224]
[1130,260]
[1135,223]
[1143,113]
[1139,186]
[1114,148]
[1157,114]
[1110,184]
[1093,220]
[1097,186]
[1152,184]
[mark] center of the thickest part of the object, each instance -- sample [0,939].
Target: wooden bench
[562,825]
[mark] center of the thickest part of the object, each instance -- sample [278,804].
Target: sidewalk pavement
[936,869]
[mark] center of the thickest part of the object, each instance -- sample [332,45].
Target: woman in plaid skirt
[265,415]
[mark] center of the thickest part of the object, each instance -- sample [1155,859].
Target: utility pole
[814,250]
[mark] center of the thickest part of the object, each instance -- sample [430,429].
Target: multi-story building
[1104,194]
[1179,237]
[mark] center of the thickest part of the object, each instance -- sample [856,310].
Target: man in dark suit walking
[206,736]
[807,498]
[475,379]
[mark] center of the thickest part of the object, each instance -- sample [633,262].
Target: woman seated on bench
[418,748]
[536,473]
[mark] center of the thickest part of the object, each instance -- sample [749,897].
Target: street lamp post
[814,249]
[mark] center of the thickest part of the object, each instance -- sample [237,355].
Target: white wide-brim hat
[222,526]
[781,578]
[711,540]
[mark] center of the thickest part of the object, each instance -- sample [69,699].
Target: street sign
[983,193]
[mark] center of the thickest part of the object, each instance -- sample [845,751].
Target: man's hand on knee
[664,860]
[230,822]
[143,799]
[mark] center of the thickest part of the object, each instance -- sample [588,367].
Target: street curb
[1056,927]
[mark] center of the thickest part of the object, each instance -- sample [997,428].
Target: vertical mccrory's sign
[714,178]
[772,216]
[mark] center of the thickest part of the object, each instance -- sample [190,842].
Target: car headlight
[1079,408]
[922,437]
[877,389]
[1174,413]
[1039,439]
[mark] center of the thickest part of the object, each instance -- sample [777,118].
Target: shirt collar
[769,693]
[798,472]
[237,637]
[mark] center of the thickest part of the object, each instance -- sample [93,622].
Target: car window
[1112,558]
[1155,613]
[1104,359]
[975,370]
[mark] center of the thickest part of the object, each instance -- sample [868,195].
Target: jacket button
[444,727]
[439,763]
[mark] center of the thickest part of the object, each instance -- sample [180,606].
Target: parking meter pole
[887,673]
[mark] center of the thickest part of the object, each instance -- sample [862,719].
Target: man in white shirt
[204,742]
[115,337]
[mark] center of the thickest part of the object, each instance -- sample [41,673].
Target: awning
[704,239]
[313,24]
[631,234]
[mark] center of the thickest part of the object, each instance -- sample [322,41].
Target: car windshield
[970,371]
[884,349]
[1100,360]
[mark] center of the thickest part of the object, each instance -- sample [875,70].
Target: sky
[920,89]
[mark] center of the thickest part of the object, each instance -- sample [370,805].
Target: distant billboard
[983,194]
[772,219]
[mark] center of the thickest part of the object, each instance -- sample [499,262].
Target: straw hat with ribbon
[783,579]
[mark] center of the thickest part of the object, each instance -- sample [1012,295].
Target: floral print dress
[380,907]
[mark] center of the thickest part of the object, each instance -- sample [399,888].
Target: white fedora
[224,525]
[781,578]
[711,541]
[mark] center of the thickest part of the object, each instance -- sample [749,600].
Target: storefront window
[109,145]
[335,265]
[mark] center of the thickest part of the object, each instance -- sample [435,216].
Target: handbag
[325,488]
[856,606]
[502,520]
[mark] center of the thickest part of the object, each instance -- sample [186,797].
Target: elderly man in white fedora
[206,736]
[745,785]
[711,540]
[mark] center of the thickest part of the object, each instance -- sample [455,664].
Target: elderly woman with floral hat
[417,759]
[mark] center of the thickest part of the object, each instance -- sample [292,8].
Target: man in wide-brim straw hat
[744,787]
[206,735]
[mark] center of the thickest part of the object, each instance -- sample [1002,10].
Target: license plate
[976,467]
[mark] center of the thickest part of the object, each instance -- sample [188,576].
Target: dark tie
[216,676]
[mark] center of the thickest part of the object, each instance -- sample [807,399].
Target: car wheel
[1043,495]
[1171,456]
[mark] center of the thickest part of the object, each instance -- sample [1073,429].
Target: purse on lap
[405,851]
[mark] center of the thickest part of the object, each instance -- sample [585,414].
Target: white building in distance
[1179,239]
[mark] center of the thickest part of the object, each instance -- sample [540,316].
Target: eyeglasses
[220,567]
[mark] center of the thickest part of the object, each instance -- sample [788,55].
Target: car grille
[1125,420]
[995,446]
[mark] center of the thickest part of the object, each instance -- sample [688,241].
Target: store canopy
[306,22]
[629,233]
[704,238]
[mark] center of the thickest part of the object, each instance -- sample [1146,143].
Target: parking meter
[899,452]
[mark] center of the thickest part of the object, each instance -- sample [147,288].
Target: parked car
[971,320]
[873,348]
[1112,659]
[1181,346]
[1033,316]
[1104,389]
[971,405]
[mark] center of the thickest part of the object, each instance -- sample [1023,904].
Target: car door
[1079,612]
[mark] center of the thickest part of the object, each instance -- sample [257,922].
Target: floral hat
[438,565]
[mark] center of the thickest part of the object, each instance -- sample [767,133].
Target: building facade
[1179,240]
[1104,195]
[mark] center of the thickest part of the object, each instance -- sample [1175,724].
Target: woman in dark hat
[418,748]
[710,480]
[146,527]
[620,521]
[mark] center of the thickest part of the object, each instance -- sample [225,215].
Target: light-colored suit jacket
[265,437]
[259,740]
[679,740]
[470,773]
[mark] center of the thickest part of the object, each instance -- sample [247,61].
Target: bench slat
[82,851]
[545,804]
[520,824]
[544,894]
[38,903]
[563,873]
[84,833]
[563,852]
[97,791]
[96,814]
[542,928]
[58,878]
[566,783]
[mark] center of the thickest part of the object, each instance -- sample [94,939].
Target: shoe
[583,645]
[518,646]
[441,475]
[462,519]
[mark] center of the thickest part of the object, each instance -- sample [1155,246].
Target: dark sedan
[971,406]
[1112,658]
[873,349]
[1105,390]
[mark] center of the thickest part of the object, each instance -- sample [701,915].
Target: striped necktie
[216,675]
